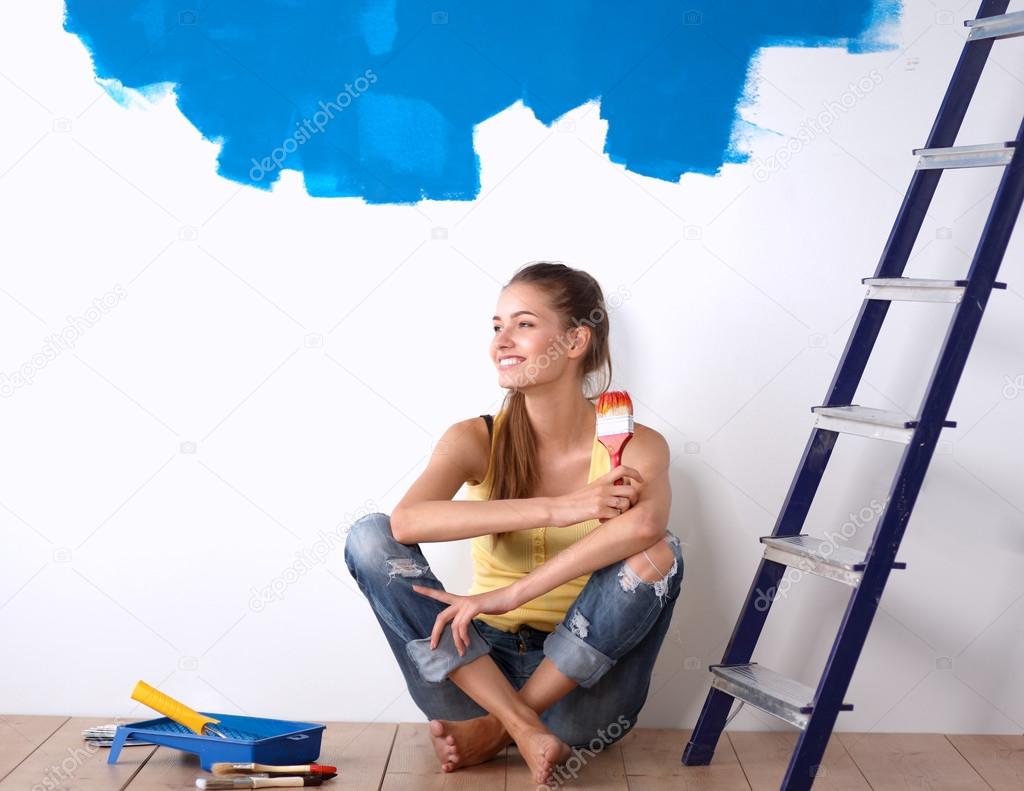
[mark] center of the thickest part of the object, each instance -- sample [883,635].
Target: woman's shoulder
[474,446]
[647,447]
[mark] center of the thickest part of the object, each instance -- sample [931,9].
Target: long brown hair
[576,297]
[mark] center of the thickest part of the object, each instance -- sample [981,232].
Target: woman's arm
[618,538]
[427,512]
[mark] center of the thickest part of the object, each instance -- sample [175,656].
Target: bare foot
[461,743]
[541,749]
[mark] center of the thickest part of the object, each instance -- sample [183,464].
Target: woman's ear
[581,335]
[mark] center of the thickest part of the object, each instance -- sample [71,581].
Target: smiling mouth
[504,365]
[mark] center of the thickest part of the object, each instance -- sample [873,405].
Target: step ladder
[814,710]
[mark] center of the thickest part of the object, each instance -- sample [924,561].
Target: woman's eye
[521,324]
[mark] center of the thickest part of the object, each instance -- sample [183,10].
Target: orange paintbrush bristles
[614,402]
[615,423]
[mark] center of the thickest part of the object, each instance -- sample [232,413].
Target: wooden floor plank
[359,750]
[65,761]
[652,758]
[167,770]
[43,752]
[414,766]
[20,735]
[898,761]
[764,756]
[999,759]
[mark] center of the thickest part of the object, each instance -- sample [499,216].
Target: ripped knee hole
[655,566]
[653,563]
[404,567]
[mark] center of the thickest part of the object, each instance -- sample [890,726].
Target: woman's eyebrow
[517,313]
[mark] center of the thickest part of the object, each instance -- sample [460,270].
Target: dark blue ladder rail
[881,555]
[817,719]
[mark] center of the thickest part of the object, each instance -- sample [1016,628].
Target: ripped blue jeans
[607,642]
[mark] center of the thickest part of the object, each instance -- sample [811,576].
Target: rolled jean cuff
[434,665]
[575,657]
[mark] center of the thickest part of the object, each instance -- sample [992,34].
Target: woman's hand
[462,610]
[600,499]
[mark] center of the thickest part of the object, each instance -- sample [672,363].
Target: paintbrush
[324,776]
[228,768]
[218,783]
[615,424]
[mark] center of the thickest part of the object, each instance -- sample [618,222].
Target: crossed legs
[625,600]
[461,743]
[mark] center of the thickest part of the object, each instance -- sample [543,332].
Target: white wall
[275,363]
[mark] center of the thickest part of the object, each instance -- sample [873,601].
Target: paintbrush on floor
[324,777]
[223,783]
[228,768]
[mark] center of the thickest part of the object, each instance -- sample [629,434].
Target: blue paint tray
[250,739]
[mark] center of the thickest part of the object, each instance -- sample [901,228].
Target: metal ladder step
[868,422]
[916,289]
[999,26]
[979,156]
[818,556]
[772,692]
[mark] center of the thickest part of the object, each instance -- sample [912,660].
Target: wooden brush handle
[170,707]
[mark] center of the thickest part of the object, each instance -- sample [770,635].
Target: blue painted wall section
[378,98]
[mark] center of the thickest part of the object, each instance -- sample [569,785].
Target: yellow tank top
[500,560]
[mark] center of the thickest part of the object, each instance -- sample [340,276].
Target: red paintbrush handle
[616,455]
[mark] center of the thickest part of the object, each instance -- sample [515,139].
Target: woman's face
[528,331]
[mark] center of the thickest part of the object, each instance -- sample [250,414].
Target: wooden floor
[43,753]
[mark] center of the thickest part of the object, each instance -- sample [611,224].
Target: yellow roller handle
[172,708]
